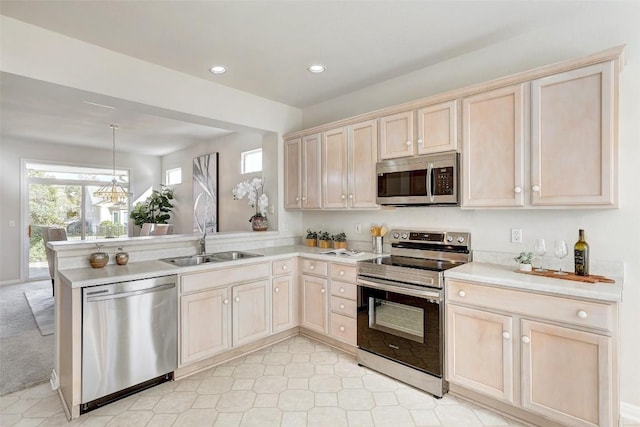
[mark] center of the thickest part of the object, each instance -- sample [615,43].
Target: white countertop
[507,276]
[82,277]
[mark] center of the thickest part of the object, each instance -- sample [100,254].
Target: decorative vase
[259,223]
[122,258]
[524,267]
[98,259]
[324,244]
[311,242]
[339,245]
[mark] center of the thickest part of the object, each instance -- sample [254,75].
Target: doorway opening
[61,196]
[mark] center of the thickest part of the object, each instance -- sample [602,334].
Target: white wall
[144,172]
[612,234]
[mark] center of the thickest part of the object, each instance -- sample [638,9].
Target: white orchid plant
[254,191]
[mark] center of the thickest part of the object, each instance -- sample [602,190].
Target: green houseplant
[340,241]
[524,261]
[324,239]
[156,209]
[312,238]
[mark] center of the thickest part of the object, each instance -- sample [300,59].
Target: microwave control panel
[443,181]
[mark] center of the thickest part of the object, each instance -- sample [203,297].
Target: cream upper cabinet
[573,142]
[348,166]
[293,174]
[493,140]
[438,128]
[396,135]
[251,311]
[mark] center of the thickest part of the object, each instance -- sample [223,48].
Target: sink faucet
[203,242]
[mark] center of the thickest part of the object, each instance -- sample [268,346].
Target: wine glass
[560,250]
[540,249]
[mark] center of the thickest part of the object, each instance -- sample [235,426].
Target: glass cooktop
[418,263]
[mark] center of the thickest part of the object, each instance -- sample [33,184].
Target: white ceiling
[266,46]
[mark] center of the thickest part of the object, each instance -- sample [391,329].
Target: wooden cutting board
[569,276]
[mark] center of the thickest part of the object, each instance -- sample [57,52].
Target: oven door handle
[384,285]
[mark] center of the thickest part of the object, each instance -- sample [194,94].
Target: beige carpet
[42,308]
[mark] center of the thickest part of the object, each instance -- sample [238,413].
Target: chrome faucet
[203,243]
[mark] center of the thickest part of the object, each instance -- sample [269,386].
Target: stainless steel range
[401,306]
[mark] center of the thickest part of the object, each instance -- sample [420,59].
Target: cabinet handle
[297,199]
[237,299]
[322,291]
[351,196]
[276,290]
[506,335]
[225,301]
[341,328]
[535,188]
[341,272]
[517,190]
[312,267]
[582,314]
[284,267]
[341,306]
[408,143]
[420,141]
[304,199]
[526,339]
[342,290]
[342,196]
[462,293]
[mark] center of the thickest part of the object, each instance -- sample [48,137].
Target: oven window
[409,183]
[398,319]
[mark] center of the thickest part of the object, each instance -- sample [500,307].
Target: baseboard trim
[629,411]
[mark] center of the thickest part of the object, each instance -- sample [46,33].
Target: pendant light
[112,193]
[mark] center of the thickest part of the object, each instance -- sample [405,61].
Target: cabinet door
[493,148]
[566,374]
[311,172]
[363,185]
[396,135]
[251,311]
[480,351]
[334,169]
[573,143]
[204,324]
[283,303]
[438,128]
[293,174]
[314,303]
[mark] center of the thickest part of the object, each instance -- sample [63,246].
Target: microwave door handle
[430,182]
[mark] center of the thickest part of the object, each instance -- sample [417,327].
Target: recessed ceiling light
[316,68]
[218,69]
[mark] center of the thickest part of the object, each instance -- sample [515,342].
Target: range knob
[405,236]
[460,239]
[396,235]
[449,239]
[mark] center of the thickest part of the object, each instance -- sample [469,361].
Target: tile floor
[298,382]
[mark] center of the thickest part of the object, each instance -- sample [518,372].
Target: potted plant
[340,241]
[312,238]
[156,209]
[524,261]
[324,239]
[254,190]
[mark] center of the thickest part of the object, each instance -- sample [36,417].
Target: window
[251,161]
[173,176]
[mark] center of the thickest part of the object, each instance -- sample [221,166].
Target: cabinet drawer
[282,266]
[317,268]
[344,328]
[343,272]
[345,307]
[566,310]
[344,290]
[214,278]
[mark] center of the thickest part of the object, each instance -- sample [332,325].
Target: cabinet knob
[322,291]
[304,199]
[506,335]
[535,188]
[284,267]
[582,314]
[526,339]
[420,141]
[341,306]
[461,293]
[341,272]
[343,197]
[225,301]
[351,196]
[312,267]
[297,199]
[276,290]
[341,328]
[408,143]
[342,290]
[517,190]
[237,299]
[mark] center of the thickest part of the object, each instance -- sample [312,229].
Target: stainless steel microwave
[420,180]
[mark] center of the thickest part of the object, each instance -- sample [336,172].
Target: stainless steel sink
[232,255]
[185,261]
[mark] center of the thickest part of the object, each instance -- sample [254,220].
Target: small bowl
[98,259]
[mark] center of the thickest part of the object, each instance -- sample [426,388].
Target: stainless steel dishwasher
[129,337]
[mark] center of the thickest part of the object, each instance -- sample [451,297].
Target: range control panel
[432,237]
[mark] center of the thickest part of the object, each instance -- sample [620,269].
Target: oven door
[401,326]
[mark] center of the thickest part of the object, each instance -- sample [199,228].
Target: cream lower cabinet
[314,295]
[284,307]
[547,357]
[251,311]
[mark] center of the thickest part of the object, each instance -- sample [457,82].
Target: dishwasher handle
[100,295]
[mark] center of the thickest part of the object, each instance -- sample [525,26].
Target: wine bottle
[581,255]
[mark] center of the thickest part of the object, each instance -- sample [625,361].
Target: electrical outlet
[516,235]
[358,228]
